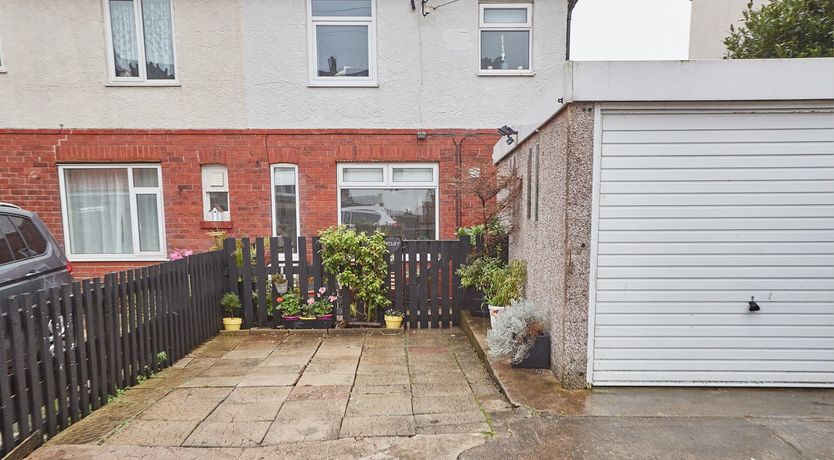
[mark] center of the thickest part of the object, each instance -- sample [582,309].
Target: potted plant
[504,286]
[231,303]
[393,318]
[520,334]
[290,306]
[279,282]
[475,277]
[323,305]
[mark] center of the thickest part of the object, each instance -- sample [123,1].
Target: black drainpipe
[571,4]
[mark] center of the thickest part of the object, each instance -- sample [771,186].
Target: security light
[509,132]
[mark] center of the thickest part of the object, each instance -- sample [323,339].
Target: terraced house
[154,121]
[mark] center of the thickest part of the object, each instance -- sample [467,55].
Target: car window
[13,238]
[31,235]
[5,252]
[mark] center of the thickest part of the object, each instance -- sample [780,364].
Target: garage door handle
[753,306]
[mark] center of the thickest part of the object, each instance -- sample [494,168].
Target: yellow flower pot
[393,322]
[232,324]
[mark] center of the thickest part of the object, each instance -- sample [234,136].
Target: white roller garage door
[698,211]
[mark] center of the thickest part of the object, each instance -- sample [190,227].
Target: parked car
[30,258]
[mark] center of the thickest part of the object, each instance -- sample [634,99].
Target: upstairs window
[2,61]
[140,41]
[506,39]
[216,193]
[342,42]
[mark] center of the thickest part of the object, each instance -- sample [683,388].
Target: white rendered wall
[54,52]
[710,25]
[427,70]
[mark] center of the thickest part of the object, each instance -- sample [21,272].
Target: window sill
[74,259]
[343,84]
[150,84]
[216,225]
[506,73]
[2,70]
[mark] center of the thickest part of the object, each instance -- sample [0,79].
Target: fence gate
[425,284]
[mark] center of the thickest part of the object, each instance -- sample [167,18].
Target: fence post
[246,269]
[461,255]
[261,280]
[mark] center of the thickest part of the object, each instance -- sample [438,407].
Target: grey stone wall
[557,245]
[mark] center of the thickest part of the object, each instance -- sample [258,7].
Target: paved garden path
[300,394]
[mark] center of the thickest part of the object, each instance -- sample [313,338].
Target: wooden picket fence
[69,348]
[423,282]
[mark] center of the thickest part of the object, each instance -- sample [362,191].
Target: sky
[613,30]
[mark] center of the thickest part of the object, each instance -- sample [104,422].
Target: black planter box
[475,302]
[539,357]
[308,324]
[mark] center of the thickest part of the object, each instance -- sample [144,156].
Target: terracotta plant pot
[494,311]
[393,322]
[232,324]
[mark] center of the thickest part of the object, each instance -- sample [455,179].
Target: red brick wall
[28,172]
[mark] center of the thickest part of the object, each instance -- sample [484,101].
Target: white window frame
[134,216]
[312,21]
[388,183]
[510,27]
[2,58]
[142,79]
[272,168]
[206,169]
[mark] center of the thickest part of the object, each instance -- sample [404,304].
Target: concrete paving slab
[248,353]
[258,394]
[228,434]
[379,405]
[291,360]
[302,429]
[198,382]
[326,379]
[381,389]
[153,433]
[322,408]
[268,377]
[230,367]
[388,425]
[444,403]
[382,379]
[320,392]
[264,411]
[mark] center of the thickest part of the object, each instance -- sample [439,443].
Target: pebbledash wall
[29,176]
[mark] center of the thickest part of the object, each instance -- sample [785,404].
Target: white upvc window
[216,193]
[342,42]
[400,199]
[286,221]
[2,59]
[140,42]
[506,39]
[112,212]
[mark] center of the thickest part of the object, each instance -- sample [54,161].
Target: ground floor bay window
[398,199]
[112,212]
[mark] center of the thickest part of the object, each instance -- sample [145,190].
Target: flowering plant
[290,303]
[180,254]
[394,312]
[320,303]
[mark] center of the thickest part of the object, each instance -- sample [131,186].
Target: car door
[23,263]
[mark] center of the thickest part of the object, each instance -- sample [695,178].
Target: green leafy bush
[784,29]
[357,260]
[506,284]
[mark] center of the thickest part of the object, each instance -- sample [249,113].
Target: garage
[713,246]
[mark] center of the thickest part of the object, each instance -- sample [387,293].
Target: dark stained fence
[422,281]
[69,348]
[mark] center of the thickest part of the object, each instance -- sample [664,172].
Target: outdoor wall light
[752,305]
[422,135]
[509,132]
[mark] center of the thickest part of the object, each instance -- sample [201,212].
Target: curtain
[123,28]
[159,41]
[285,209]
[148,216]
[98,205]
